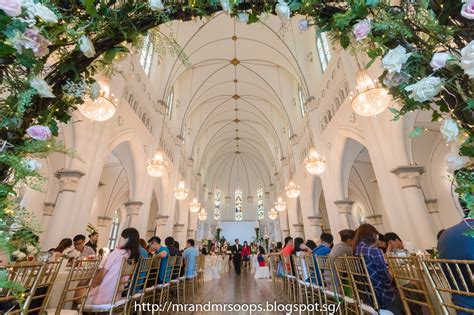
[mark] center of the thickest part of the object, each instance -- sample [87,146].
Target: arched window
[324,49]
[217,204]
[146,54]
[301,100]
[169,103]
[238,204]
[260,209]
[114,229]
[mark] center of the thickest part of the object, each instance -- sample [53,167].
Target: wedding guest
[93,239]
[237,256]
[393,241]
[324,247]
[80,245]
[246,255]
[300,249]
[366,245]
[190,255]
[381,243]
[311,244]
[345,247]
[176,244]
[155,247]
[204,251]
[170,243]
[261,256]
[105,281]
[63,245]
[440,232]
[143,243]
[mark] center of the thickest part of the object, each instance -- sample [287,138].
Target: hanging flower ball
[282,10]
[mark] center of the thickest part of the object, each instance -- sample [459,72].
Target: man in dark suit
[237,256]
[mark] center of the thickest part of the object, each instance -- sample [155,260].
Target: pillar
[178,234]
[133,209]
[344,208]
[103,227]
[432,206]
[377,221]
[316,224]
[161,224]
[48,211]
[62,219]
[298,230]
[190,233]
[414,201]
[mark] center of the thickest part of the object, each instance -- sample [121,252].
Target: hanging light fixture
[157,166]
[100,109]
[371,98]
[194,206]
[202,215]
[272,214]
[292,190]
[181,192]
[315,164]
[280,205]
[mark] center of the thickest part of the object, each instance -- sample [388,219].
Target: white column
[432,206]
[298,230]
[161,226]
[103,226]
[178,234]
[344,208]
[316,224]
[376,221]
[48,211]
[63,222]
[133,209]
[414,201]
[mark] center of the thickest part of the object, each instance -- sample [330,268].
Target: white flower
[395,58]
[449,129]
[439,60]
[468,9]
[19,255]
[467,59]
[86,46]
[242,17]
[156,5]
[454,160]
[95,91]
[31,250]
[38,10]
[282,10]
[33,165]
[425,89]
[43,89]
[226,7]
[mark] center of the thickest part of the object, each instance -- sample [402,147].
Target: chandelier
[272,214]
[292,190]
[100,109]
[315,164]
[202,215]
[280,205]
[371,98]
[181,192]
[157,166]
[194,206]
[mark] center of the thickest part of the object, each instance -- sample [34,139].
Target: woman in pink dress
[103,285]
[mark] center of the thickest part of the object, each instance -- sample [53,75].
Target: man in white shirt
[80,245]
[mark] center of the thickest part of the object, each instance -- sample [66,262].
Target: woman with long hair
[62,246]
[246,255]
[103,285]
[300,249]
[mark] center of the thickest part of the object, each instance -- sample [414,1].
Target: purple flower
[31,39]
[468,10]
[362,29]
[11,7]
[39,132]
[303,25]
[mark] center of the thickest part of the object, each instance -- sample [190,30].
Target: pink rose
[468,10]
[39,132]
[39,42]
[11,7]
[362,29]
[303,25]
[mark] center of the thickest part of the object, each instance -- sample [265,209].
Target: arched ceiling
[239,100]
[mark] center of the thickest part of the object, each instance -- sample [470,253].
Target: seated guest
[190,254]
[381,243]
[311,244]
[324,247]
[155,247]
[204,251]
[440,232]
[393,241]
[105,281]
[171,244]
[299,250]
[93,238]
[345,247]
[261,256]
[366,245]
[80,245]
[63,245]
[453,244]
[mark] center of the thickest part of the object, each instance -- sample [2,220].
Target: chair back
[141,275]
[201,262]
[154,272]
[360,281]
[286,261]
[298,267]
[411,284]
[327,274]
[169,268]
[124,285]
[178,264]
[196,265]
[452,281]
[78,283]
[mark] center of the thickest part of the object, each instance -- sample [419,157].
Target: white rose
[282,10]
[19,255]
[156,5]
[439,60]
[31,250]
[43,89]
[242,17]
[44,13]
[467,59]
[86,46]
[449,129]
[454,161]
[95,90]
[226,7]
[425,89]
[395,58]
[33,165]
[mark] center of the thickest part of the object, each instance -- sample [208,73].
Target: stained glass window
[217,204]
[260,209]
[146,54]
[324,49]
[169,103]
[301,101]
[238,204]
[114,230]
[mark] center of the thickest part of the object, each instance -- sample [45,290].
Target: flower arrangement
[91,229]
[70,253]
[25,252]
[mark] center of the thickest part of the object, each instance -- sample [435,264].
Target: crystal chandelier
[202,215]
[100,109]
[315,164]
[194,206]
[280,205]
[272,214]
[292,190]
[157,166]
[371,98]
[181,192]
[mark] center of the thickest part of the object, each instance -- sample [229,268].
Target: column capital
[298,227]
[178,227]
[375,219]
[161,220]
[103,221]
[190,233]
[408,175]
[68,179]
[285,233]
[48,208]
[344,206]
[432,205]
[315,220]
[133,207]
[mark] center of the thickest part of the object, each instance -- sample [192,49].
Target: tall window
[238,204]
[169,103]
[301,101]
[217,204]
[114,229]
[260,209]
[146,55]
[324,49]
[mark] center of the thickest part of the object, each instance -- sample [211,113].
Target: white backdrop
[243,230]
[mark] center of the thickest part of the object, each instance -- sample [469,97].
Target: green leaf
[90,7]
[435,116]
[371,3]
[395,112]
[53,126]
[111,53]
[6,50]
[470,104]
[416,132]
[345,41]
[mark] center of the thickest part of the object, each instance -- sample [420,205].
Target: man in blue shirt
[322,250]
[155,247]
[190,254]
[453,244]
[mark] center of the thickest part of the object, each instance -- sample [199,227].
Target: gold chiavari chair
[304,292]
[289,277]
[192,281]
[164,284]
[175,282]
[122,291]
[201,269]
[345,285]
[273,263]
[152,282]
[315,288]
[411,284]
[452,281]
[76,287]
[326,280]
[140,281]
